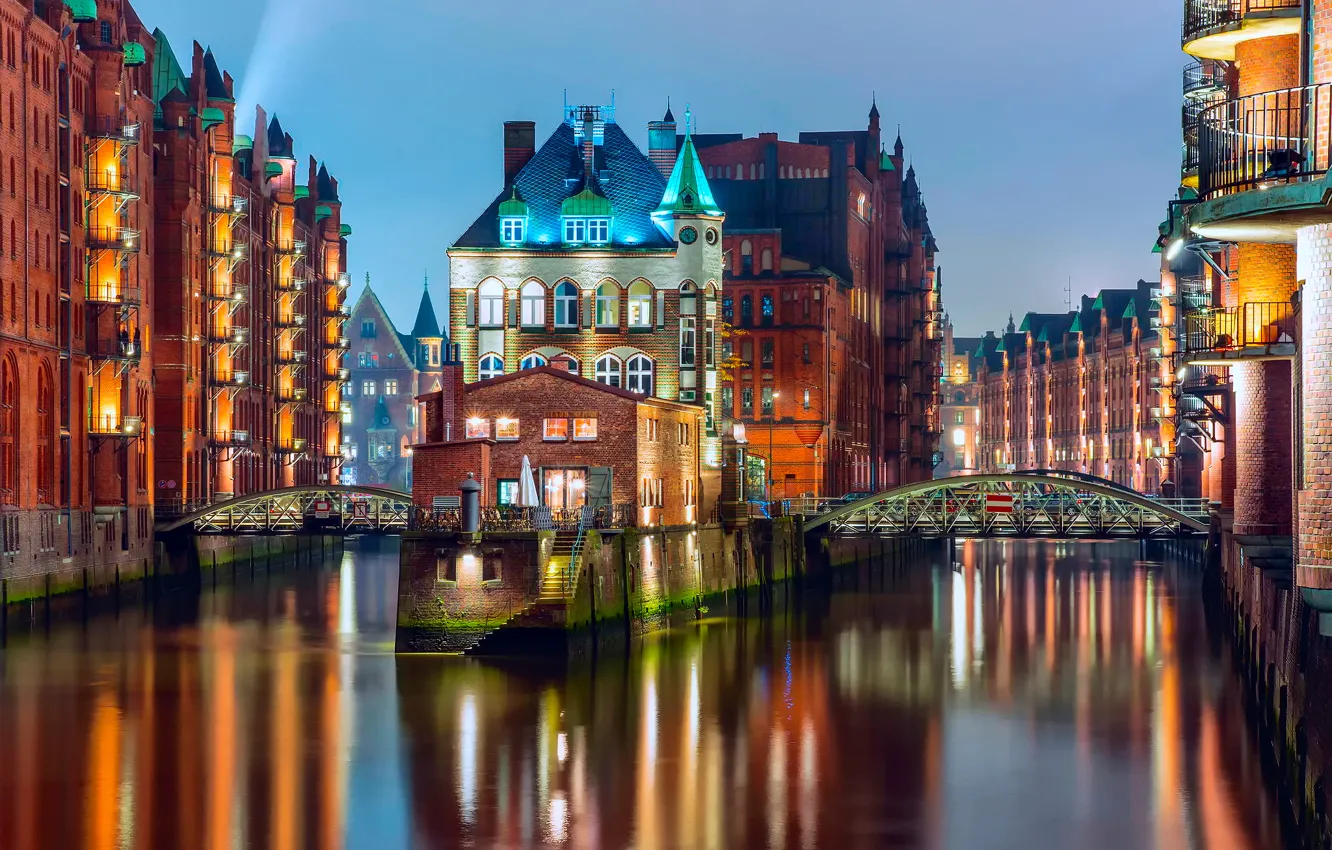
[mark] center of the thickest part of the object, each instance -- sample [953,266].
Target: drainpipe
[27,201]
[1306,43]
[69,303]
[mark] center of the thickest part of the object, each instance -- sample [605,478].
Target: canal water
[1037,696]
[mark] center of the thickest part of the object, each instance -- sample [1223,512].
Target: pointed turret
[661,142]
[215,88]
[874,110]
[687,192]
[326,185]
[427,325]
[897,145]
[669,117]
[279,144]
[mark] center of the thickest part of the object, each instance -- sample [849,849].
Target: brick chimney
[453,395]
[519,147]
[589,143]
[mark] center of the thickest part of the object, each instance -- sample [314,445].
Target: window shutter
[470,308]
[661,308]
[599,486]
[589,309]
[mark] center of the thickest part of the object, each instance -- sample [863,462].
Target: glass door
[565,489]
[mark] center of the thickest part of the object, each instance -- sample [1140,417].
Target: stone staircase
[539,626]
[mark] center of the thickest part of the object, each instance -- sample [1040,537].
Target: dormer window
[513,230]
[586,230]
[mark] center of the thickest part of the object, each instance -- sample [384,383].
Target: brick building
[250,306]
[1074,391]
[588,442]
[141,255]
[386,372]
[831,283]
[76,357]
[595,260]
[960,404]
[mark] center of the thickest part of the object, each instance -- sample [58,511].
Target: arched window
[739,171]
[639,369]
[608,370]
[746,257]
[608,305]
[490,298]
[533,305]
[688,298]
[566,305]
[8,429]
[532,361]
[781,172]
[767,260]
[45,428]
[753,171]
[491,367]
[640,304]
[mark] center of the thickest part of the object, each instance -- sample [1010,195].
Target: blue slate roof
[624,175]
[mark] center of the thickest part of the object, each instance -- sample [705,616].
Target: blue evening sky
[1045,133]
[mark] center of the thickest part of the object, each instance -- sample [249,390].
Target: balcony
[1205,79]
[291,395]
[344,309]
[1258,330]
[1265,140]
[344,280]
[290,284]
[223,202]
[110,183]
[290,247]
[231,380]
[237,295]
[232,251]
[289,358]
[113,129]
[124,349]
[113,293]
[229,336]
[290,446]
[112,424]
[122,239]
[230,439]
[291,321]
[342,343]
[337,374]
[1212,28]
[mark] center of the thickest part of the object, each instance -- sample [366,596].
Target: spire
[669,116]
[214,86]
[277,140]
[367,281]
[1012,328]
[687,191]
[874,107]
[897,145]
[328,190]
[427,325]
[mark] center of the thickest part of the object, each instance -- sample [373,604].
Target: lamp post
[772,426]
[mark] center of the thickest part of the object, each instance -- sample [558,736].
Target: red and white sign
[361,510]
[322,509]
[998,503]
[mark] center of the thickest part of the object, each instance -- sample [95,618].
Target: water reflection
[1038,696]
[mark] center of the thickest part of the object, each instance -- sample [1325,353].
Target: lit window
[806,400]
[727,400]
[584,429]
[767,401]
[747,400]
[512,229]
[491,367]
[566,305]
[575,231]
[959,437]
[367,388]
[491,298]
[688,340]
[533,305]
[608,305]
[390,387]
[346,414]
[555,430]
[532,361]
[640,305]
[477,428]
[640,372]
[608,370]
[506,429]
[766,306]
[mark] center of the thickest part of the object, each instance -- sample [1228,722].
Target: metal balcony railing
[230,438]
[1203,16]
[229,336]
[110,182]
[124,239]
[1259,323]
[113,293]
[115,425]
[237,294]
[231,379]
[344,280]
[293,247]
[337,374]
[295,320]
[291,445]
[114,129]
[1205,79]
[290,357]
[292,395]
[1264,140]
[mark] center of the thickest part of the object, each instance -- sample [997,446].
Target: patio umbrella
[527,489]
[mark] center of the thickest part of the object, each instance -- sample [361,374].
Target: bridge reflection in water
[1042,695]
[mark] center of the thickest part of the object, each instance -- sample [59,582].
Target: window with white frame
[555,430]
[598,231]
[533,305]
[566,305]
[584,429]
[532,361]
[640,304]
[688,298]
[491,366]
[575,231]
[688,340]
[608,370]
[390,387]
[639,371]
[367,387]
[490,300]
[513,229]
[608,305]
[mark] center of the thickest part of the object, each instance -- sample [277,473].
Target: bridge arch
[1030,505]
[290,509]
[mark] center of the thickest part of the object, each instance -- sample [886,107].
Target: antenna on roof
[1068,295]
[427,279]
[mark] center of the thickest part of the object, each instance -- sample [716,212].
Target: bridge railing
[517,519]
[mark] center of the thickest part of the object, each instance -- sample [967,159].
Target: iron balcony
[1204,17]
[1254,330]
[1264,140]
[123,239]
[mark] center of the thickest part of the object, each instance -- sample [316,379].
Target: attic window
[513,229]
[687,199]
[590,230]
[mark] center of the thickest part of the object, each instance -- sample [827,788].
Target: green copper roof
[272,170]
[322,212]
[688,191]
[514,206]
[1099,303]
[586,202]
[302,192]
[1131,311]
[135,55]
[167,75]
[886,162]
[1076,327]
[85,11]
[242,143]
[213,117]
[345,231]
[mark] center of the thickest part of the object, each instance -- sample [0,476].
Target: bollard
[470,514]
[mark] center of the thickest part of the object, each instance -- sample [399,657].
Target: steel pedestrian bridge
[1047,504]
[319,508]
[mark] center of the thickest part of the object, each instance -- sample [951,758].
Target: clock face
[712,236]
[688,235]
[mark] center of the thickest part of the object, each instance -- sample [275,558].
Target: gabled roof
[381,419]
[406,345]
[965,345]
[622,174]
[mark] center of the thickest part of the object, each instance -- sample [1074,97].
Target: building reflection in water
[1039,695]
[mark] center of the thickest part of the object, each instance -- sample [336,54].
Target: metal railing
[115,129]
[113,239]
[292,445]
[1231,328]
[230,438]
[1204,78]
[113,182]
[1265,139]
[1203,16]
[541,518]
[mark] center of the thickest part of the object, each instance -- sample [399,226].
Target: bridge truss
[316,509]
[1014,505]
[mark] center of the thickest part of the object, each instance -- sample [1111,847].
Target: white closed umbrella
[528,497]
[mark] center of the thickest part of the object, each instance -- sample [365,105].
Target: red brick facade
[651,447]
